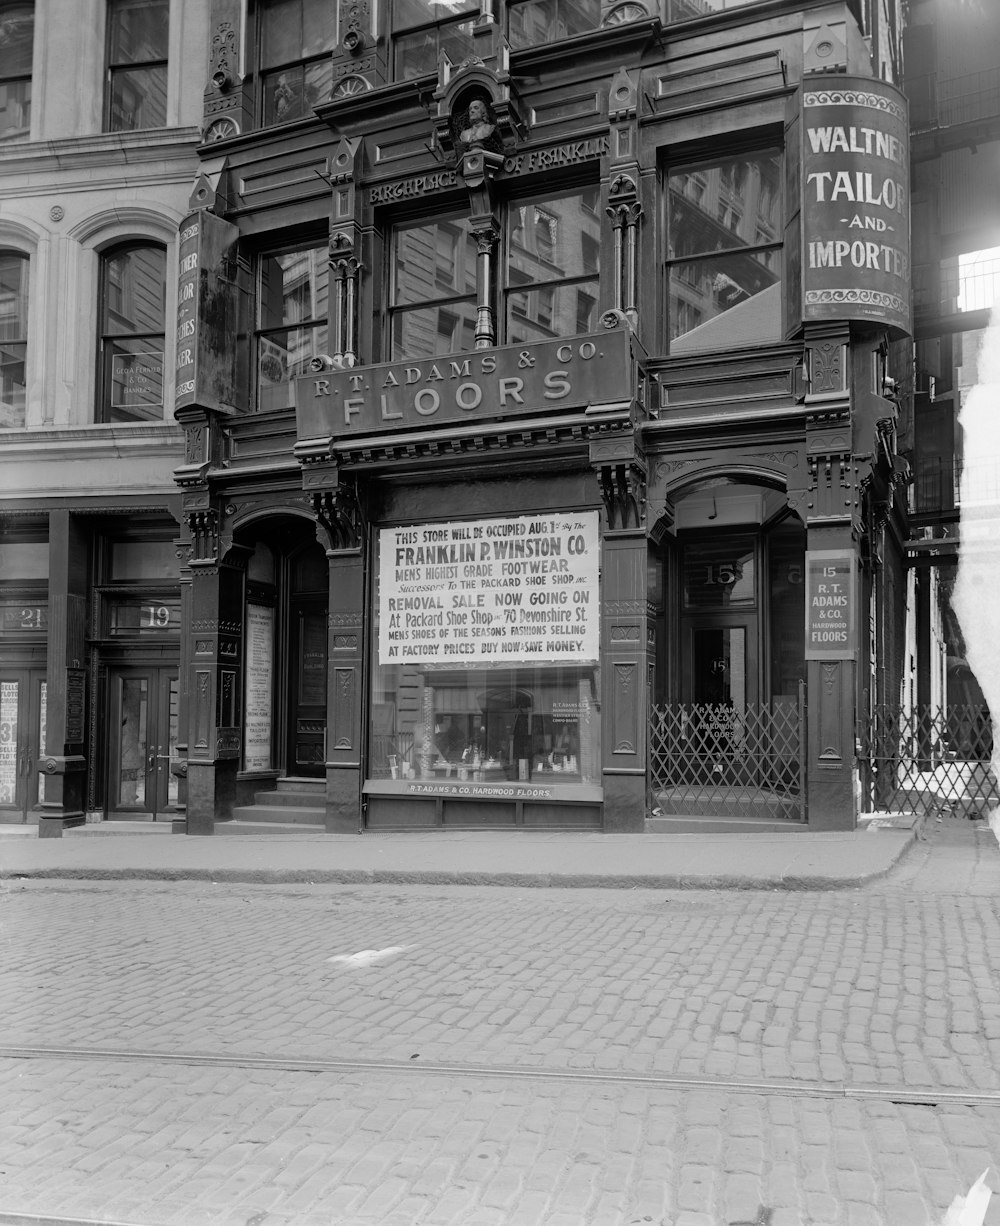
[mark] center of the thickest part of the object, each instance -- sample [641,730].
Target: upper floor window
[724,233]
[422,29]
[553,262]
[292,310]
[132,311]
[433,289]
[137,65]
[548,269]
[17,36]
[684,10]
[13,336]
[530,23]
[296,72]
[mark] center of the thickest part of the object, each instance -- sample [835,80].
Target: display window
[485,644]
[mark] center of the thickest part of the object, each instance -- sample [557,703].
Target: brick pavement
[891,987]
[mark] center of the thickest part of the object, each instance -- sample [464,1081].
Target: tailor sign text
[466,387]
[856,201]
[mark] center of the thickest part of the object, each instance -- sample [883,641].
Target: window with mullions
[133,301]
[138,31]
[17,36]
[532,23]
[292,309]
[13,336]
[553,248]
[296,72]
[433,289]
[422,29]
[724,253]
[684,10]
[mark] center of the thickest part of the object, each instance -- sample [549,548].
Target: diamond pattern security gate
[928,761]
[720,761]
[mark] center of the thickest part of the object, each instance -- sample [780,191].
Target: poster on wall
[492,591]
[260,675]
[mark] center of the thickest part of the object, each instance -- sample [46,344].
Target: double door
[143,739]
[22,741]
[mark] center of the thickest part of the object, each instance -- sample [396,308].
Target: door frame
[155,757]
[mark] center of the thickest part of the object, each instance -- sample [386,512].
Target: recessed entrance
[143,739]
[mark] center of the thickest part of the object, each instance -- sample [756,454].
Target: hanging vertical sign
[831,614]
[206,313]
[856,201]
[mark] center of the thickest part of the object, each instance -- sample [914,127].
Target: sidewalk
[763,861]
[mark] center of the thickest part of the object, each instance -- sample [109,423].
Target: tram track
[926,1096]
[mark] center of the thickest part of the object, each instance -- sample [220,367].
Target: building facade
[99,124]
[539,376]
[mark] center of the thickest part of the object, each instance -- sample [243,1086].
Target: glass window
[422,29]
[296,71]
[291,321]
[17,34]
[684,10]
[137,65]
[13,336]
[553,262]
[496,687]
[724,254]
[532,23]
[433,289]
[719,574]
[133,300]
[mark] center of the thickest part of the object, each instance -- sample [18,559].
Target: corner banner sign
[855,201]
[492,591]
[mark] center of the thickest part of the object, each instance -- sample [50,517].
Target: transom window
[422,29]
[296,72]
[17,36]
[133,304]
[292,310]
[138,33]
[724,253]
[13,336]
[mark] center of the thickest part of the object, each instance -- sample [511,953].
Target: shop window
[296,72]
[433,289]
[13,336]
[291,328]
[724,254]
[423,29]
[132,309]
[533,23]
[136,65]
[17,36]
[490,691]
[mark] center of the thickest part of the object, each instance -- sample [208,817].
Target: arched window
[13,336]
[132,307]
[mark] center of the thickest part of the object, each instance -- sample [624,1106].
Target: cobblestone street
[189,1053]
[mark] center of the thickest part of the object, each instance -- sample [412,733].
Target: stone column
[344,767]
[63,758]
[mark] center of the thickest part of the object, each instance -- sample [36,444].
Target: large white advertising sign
[492,591]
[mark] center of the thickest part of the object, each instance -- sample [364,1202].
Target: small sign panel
[831,616]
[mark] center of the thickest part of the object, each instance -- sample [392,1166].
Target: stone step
[301,799]
[290,815]
[692,824]
[300,784]
[239,826]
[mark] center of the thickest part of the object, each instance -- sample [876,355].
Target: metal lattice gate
[928,761]
[718,761]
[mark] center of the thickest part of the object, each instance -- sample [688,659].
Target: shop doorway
[143,739]
[22,740]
